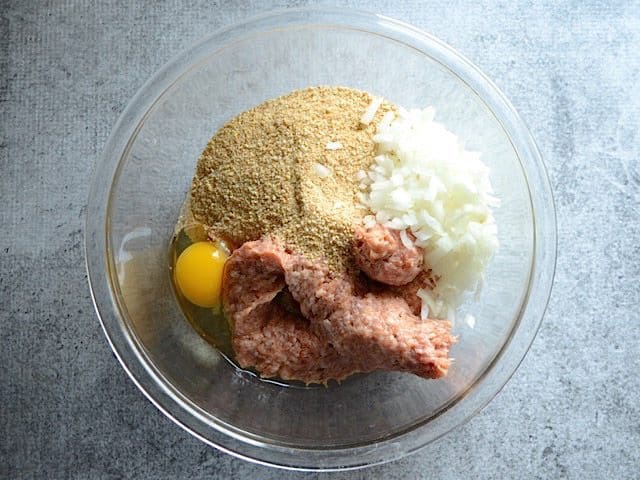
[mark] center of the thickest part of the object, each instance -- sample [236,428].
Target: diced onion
[369,221]
[371,110]
[404,238]
[422,179]
[470,320]
[333,146]
[321,171]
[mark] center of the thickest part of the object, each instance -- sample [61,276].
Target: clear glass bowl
[145,173]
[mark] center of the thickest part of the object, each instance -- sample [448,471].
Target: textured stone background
[67,408]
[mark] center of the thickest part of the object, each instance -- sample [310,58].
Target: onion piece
[404,238]
[371,110]
[321,171]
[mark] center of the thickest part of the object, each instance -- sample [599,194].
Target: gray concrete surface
[67,409]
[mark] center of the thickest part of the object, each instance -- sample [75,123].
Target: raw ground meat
[344,329]
[409,292]
[379,252]
[266,335]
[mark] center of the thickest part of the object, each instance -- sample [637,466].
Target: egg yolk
[198,273]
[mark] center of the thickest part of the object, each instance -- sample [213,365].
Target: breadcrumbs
[274,170]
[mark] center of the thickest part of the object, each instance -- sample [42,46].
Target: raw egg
[198,273]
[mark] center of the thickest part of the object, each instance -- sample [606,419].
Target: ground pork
[266,335]
[409,292]
[381,255]
[339,330]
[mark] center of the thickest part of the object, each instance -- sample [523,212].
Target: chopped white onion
[321,170]
[369,221]
[333,146]
[404,238]
[371,110]
[424,180]
[470,320]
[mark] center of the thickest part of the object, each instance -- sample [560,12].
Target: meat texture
[341,332]
[381,255]
[409,292]
[265,334]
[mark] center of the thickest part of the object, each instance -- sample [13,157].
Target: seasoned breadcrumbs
[288,168]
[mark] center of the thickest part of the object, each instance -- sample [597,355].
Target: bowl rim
[100,271]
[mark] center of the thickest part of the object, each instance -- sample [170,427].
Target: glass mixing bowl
[145,173]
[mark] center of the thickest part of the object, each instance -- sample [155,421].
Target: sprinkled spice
[289,168]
